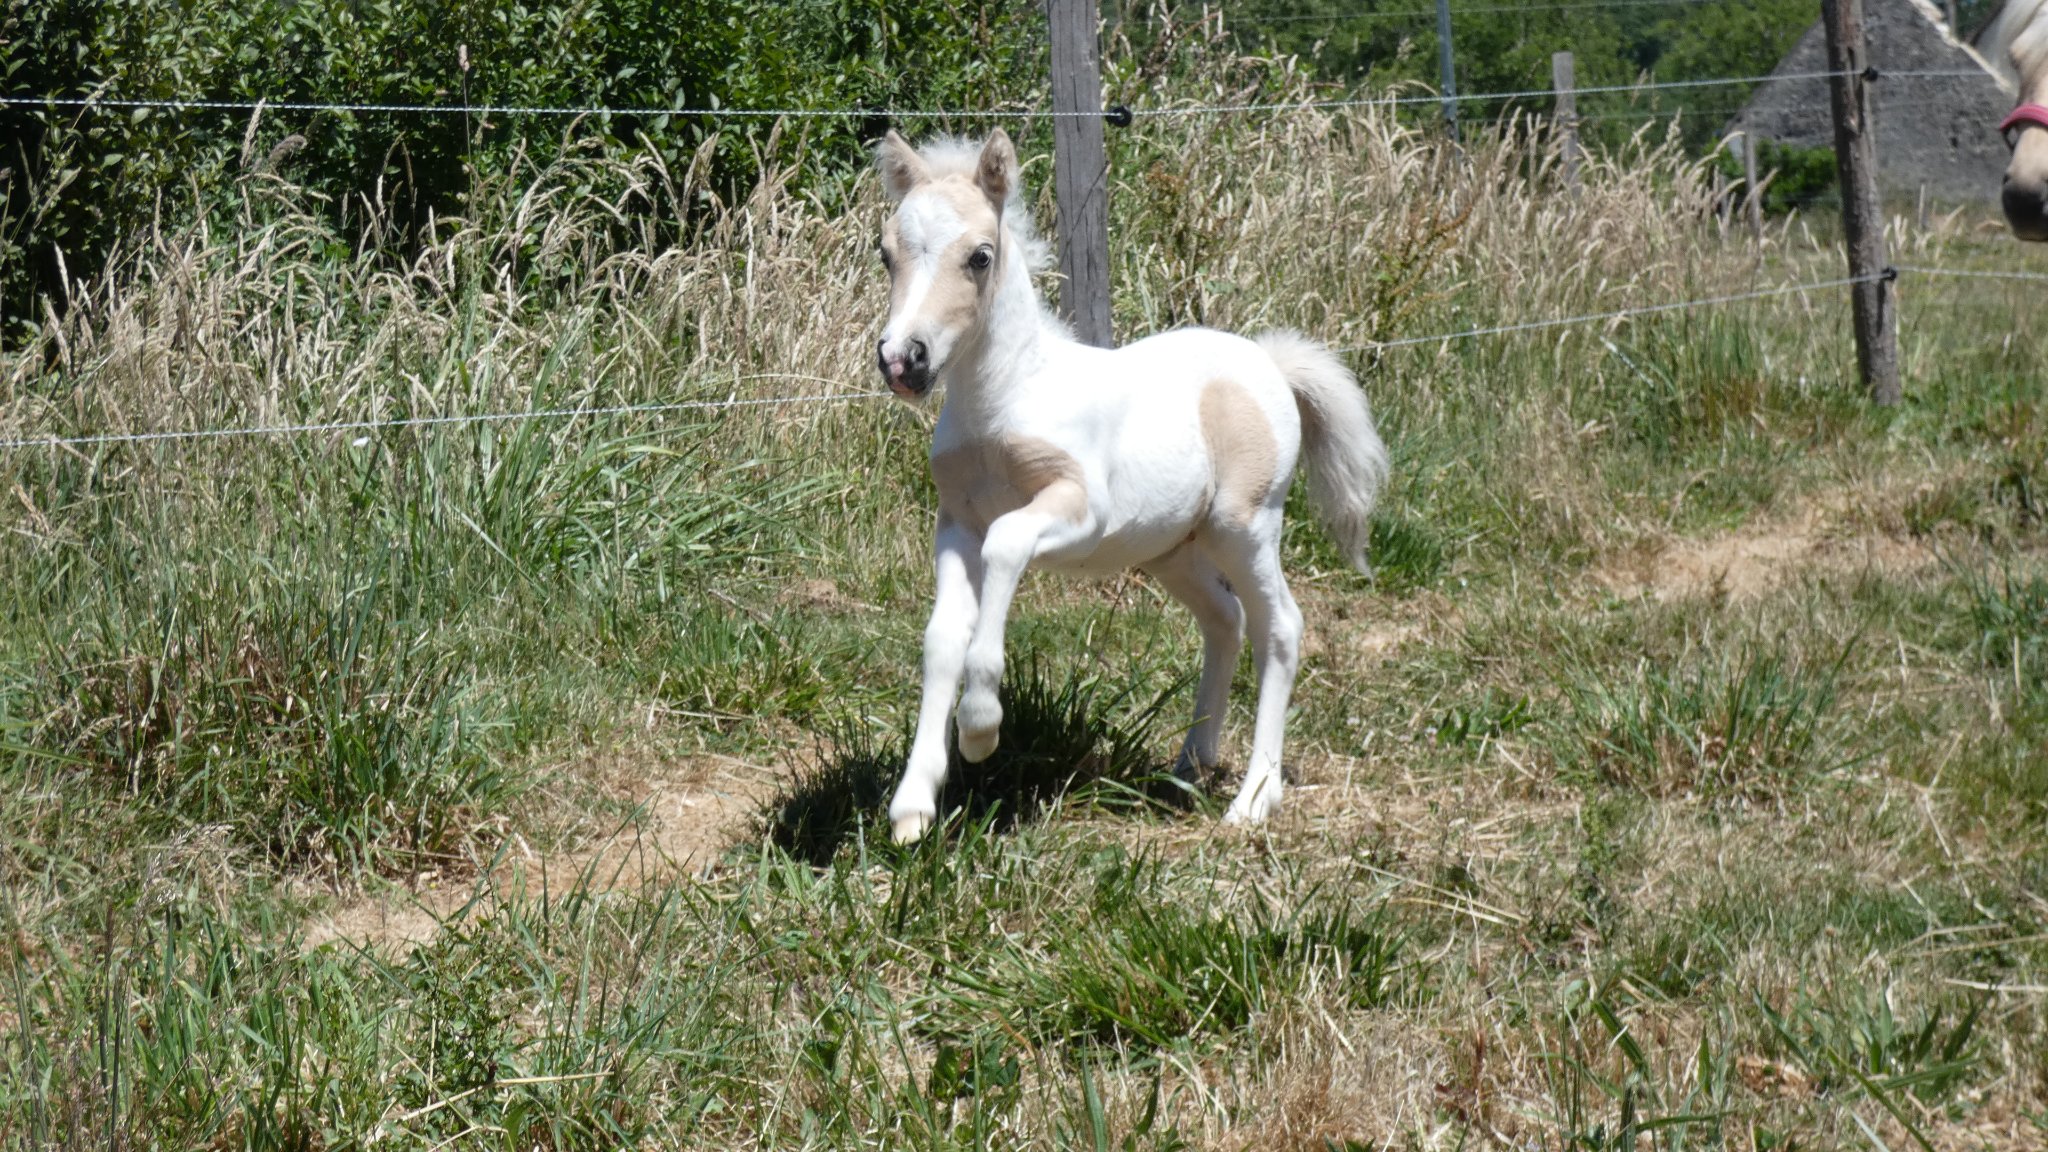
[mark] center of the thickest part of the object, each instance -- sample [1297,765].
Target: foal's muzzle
[909,371]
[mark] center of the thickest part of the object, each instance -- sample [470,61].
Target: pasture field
[1679,781]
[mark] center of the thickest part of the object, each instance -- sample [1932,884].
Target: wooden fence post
[1567,116]
[1750,192]
[1876,315]
[1080,169]
[1447,73]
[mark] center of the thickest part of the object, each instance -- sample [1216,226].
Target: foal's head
[945,249]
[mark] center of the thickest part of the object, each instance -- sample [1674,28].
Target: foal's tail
[1347,464]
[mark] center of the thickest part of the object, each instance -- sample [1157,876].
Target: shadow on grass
[1072,737]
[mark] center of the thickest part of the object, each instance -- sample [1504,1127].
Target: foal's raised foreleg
[1056,521]
[1194,580]
[957,557]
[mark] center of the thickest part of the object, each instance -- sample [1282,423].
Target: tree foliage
[79,177]
[75,179]
[1506,46]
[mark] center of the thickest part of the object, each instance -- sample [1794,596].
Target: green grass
[1744,722]
[1575,853]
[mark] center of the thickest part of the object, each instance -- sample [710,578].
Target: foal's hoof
[1252,806]
[911,828]
[978,746]
[979,722]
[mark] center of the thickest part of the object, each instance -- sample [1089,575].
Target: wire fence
[1970,273]
[268,430]
[1118,114]
[1462,10]
[1444,338]
[1618,313]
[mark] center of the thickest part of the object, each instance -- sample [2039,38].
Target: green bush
[1499,49]
[80,179]
[1793,177]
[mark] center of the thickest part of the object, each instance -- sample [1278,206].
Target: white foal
[1173,455]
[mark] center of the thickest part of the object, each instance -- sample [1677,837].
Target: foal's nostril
[919,355]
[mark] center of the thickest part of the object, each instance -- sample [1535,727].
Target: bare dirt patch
[1754,560]
[823,596]
[681,818]
[1356,632]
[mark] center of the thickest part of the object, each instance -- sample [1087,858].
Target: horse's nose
[919,356]
[2026,208]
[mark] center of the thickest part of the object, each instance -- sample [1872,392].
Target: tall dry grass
[1354,224]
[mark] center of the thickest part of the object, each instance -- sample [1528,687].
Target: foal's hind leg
[1193,579]
[1250,557]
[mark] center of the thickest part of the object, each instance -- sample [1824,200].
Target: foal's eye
[981,259]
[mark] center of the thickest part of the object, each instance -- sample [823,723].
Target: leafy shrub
[80,179]
[1793,177]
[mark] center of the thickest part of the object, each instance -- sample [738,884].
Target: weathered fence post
[1080,169]
[1877,336]
[1447,73]
[1753,194]
[1567,116]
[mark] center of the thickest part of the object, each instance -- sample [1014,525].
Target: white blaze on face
[924,228]
[935,290]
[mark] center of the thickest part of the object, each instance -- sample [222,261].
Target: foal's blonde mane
[957,156]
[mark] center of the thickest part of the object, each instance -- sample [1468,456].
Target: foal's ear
[901,167]
[996,172]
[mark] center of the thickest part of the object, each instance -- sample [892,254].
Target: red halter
[2034,114]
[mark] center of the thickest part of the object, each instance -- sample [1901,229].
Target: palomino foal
[1173,455]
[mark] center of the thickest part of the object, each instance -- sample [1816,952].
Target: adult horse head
[2018,37]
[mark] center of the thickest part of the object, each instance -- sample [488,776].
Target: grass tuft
[1752,723]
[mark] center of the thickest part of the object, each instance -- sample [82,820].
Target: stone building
[1934,133]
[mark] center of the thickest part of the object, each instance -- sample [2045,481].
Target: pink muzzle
[2025,114]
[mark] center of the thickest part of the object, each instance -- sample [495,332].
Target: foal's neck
[1015,338]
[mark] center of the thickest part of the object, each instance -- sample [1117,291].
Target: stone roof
[1936,133]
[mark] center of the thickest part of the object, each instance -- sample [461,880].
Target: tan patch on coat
[990,478]
[954,298]
[1242,452]
[969,202]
